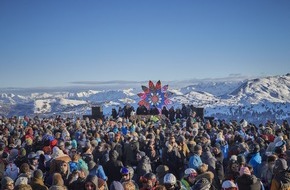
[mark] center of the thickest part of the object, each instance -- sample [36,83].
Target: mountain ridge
[259,98]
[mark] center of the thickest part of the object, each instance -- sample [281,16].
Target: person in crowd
[165,111]
[37,182]
[171,156]
[204,173]
[112,167]
[91,183]
[188,179]
[57,182]
[144,165]
[148,181]
[256,159]
[170,182]
[195,160]
[267,171]
[7,183]
[184,154]
[219,166]
[65,145]
[152,153]
[33,161]
[78,179]
[102,185]
[232,172]
[202,184]
[229,185]
[97,170]
[21,158]
[22,184]
[248,181]
[25,172]
[129,185]
[127,176]
[161,171]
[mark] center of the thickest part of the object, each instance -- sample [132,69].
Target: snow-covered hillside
[269,89]
[253,99]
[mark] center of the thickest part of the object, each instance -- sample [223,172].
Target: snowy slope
[271,89]
[261,98]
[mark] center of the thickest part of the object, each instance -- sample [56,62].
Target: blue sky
[56,43]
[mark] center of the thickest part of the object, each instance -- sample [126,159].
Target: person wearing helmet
[229,185]
[170,182]
[189,178]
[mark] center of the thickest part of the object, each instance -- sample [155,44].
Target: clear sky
[46,43]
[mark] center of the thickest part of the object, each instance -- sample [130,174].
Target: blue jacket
[256,161]
[99,172]
[194,161]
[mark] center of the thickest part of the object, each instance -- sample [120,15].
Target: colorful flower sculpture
[154,96]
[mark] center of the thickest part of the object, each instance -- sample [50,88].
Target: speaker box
[85,116]
[97,112]
[199,112]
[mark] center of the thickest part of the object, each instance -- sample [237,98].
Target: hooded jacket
[93,179]
[5,181]
[112,167]
[37,184]
[248,182]
[143,167]
[281,178]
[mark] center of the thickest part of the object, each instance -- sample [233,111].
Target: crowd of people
[174,152]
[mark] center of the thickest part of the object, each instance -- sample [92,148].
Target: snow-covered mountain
[253,99]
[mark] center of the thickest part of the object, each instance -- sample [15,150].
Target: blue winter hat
[124,170]
[73,166]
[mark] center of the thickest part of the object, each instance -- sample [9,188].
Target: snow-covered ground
[256,99]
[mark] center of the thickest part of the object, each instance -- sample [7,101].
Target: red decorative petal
[151,86]
[158,85]
[145,89]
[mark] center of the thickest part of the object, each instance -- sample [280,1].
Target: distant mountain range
[256,100]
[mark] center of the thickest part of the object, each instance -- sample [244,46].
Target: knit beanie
[116,185]
[38,174]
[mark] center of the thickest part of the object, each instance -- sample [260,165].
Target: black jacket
[248,182]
